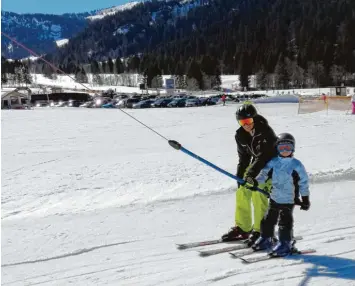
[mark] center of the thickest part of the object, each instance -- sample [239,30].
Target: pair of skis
[271,256]
[239,249]
[237,245]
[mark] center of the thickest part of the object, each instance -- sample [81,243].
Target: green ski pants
[243,211]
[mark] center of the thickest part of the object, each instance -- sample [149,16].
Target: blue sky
[57,6]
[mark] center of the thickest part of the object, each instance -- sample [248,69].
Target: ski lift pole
[177,146]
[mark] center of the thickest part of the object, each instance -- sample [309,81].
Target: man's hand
[250,182]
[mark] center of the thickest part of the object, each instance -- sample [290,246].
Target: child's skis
[270,256]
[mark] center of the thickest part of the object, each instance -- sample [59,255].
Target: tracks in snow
[73,253]
[332,176]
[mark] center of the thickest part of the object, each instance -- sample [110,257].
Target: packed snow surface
[90,197]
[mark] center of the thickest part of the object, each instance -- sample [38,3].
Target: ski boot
[235,233]
[282,248]
[253,237]
[262,243]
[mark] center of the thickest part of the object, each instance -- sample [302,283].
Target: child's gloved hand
[305,204]
[298,202]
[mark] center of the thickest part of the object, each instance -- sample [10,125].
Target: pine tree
[281,74]
[103,67]
[19,75]
[119,68]
[297,74]
[27,78]
[337,74]
[47,71]
[153,72]
[179,75]
[192,84]
[244,71]
[97,79]
[3,78]
[194,72]
[211,72]
[207,81]
[80,76]
[157,81]
[94,67]
[109,66]
[261,79]
[315,75]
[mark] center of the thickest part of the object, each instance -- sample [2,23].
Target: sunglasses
[285,147]
[246,121]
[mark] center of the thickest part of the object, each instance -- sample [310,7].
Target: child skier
[289,179]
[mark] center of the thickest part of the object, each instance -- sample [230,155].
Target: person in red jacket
[224,99]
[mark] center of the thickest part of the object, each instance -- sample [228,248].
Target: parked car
[162,102]
[130,101]
[192,102]
[100,101]
[74,103]
[109,105]
[42,104]
[88,104]
[61,104]
[211,101]
[143,104]
[177,102]
[203,100]
[121,103]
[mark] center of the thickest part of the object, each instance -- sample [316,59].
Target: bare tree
[192,84]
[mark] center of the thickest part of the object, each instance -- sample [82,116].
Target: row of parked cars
[146,101]
[190,101]
[136,101]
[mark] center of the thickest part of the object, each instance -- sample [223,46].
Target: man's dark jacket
[255,150]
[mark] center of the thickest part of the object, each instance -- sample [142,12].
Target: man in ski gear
[256,146]
[289,179]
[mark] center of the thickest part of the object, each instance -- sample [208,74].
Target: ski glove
[298,201]
[251,182]
[305,203]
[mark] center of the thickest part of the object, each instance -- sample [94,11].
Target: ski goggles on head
[246,121]
[286,147]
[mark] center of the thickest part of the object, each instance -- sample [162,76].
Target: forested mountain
[300,42]
[38,31]
[292,38]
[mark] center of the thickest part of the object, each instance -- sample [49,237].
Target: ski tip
[181,246]
[203,254]
[307,251]
[244,260]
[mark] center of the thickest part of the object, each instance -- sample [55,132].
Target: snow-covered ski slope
[91,198]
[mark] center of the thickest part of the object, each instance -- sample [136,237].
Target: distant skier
[289,180]
[224,97]
[256,146]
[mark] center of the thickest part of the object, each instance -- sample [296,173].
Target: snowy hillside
[62,42]
[113,10]
[89,197]
[39,32]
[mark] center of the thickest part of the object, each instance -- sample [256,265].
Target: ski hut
[338,91]
[16,98]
